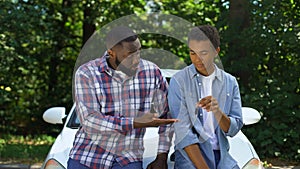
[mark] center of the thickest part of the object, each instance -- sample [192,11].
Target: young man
[207,102]
[113,97]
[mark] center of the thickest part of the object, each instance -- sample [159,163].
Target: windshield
[74,121]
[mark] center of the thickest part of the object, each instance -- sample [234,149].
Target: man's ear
[218,50]
[111,53]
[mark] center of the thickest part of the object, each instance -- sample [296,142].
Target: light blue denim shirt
[184,93]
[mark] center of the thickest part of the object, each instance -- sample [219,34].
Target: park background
[40,42]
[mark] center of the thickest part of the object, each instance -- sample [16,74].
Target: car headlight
[254,163]
[53,164]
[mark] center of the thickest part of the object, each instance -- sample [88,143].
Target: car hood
[61,148]
[241,149]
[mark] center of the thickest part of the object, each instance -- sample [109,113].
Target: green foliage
[274,85]
[36,54]
[25,149]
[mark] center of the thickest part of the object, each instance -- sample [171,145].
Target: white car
[240,147]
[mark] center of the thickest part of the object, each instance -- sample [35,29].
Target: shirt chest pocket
[191,100]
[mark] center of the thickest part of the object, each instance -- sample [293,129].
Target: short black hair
[205,32]
[119,34]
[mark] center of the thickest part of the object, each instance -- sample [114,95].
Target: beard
[129,71]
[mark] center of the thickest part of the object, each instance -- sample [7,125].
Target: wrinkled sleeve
[235,112]
[178,109]
[88,108]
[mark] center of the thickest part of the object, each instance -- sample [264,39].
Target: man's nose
[199,57]
[136,60]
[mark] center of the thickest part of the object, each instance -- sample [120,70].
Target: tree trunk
[61,42]
[239,20]
[88,23]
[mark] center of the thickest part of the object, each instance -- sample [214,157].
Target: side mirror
[55,115]
[250,115]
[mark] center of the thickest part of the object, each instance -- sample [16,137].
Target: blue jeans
[74,164]
[181,161]
[132,165]
[217,156]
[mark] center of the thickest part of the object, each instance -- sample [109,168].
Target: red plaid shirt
[106,103]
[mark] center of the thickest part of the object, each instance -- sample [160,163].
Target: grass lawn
[28,150]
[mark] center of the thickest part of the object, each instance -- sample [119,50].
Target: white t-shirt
[208,117]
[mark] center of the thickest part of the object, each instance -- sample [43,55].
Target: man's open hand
[151,120]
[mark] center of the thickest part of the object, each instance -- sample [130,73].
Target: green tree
[274,83]
[39,44]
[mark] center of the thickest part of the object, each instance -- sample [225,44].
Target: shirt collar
[193,72]
[104,65]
